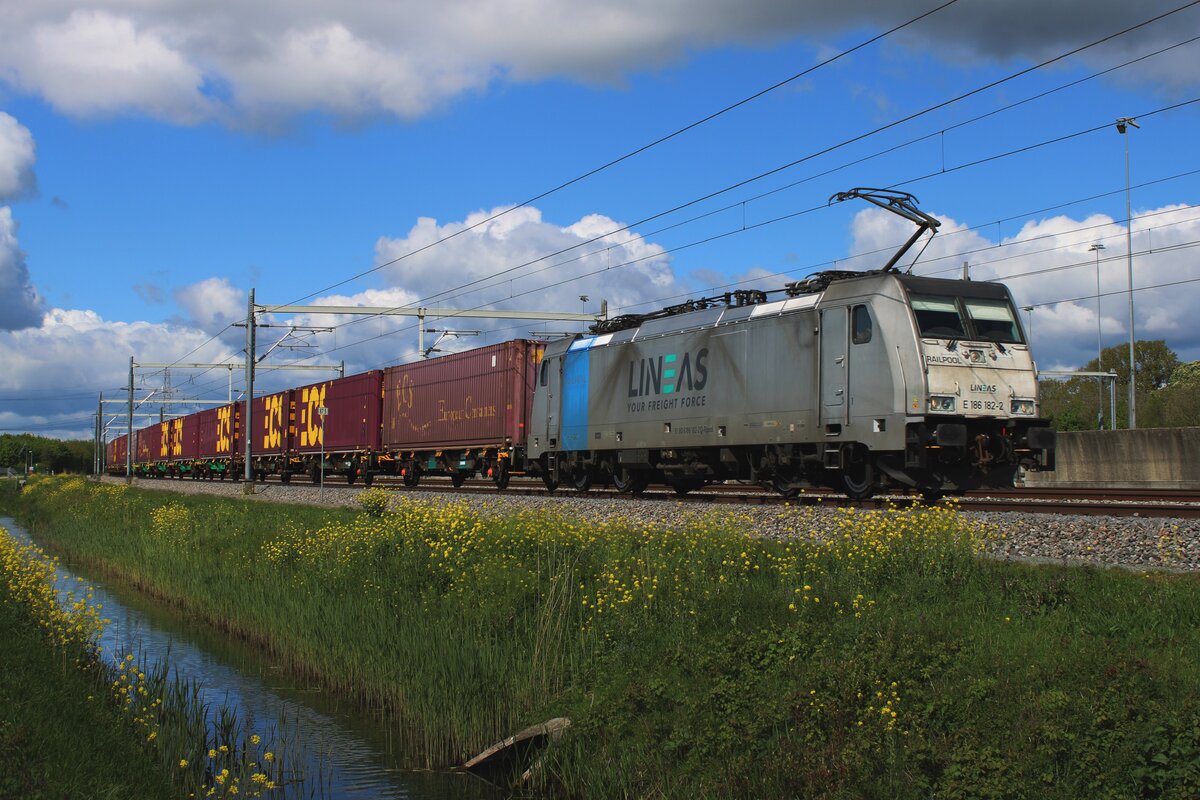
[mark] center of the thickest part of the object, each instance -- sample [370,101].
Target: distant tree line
[1168,391]
[49,455]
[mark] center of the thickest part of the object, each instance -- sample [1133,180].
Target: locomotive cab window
[938,316]
[543,378]
[860,325]
[993,320]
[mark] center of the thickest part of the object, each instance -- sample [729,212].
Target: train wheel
[350,476]
[314,473]
[933,488]
[368,479]
[858,476]
[626,481]
[457,479]
[285,477]
[411,476]
[784,487]
[685,486]
[581,479]
[500,475]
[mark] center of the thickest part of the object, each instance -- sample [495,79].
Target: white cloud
[76,351]
[211,304]
[97,62]
[185,62]
[622,269]
[499,263]
[17,156]
[1048,265]
[20,305]
[332,69]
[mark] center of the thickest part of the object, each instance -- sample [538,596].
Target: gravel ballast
[1127,542]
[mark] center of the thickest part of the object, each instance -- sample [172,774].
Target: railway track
[1136,502]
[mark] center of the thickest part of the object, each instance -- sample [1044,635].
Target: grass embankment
[884,660]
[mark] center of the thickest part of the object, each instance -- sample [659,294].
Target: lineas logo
[668,374]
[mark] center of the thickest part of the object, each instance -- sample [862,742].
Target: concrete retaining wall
[1160,457]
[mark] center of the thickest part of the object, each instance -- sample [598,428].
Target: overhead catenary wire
[638,151]
[778,169]
[830,171]
[793,215]
[814,266]
[957,255]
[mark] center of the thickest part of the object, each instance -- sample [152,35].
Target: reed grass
[884,658]
[147,717]
[55,740]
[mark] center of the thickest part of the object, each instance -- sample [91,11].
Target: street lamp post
[1122,127]
[1029,312]
[1096,248]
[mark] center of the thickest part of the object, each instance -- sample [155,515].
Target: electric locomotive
[852,380]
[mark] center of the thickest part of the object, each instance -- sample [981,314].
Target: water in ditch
[342,752]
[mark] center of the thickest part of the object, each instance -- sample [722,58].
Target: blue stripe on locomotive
[575,397]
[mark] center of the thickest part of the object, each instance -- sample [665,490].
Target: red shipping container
[160,442]
[208,426]
[185,437]
[476,398]
[115,452]
[217,433]
[352,424]
[274,424]
[147,444]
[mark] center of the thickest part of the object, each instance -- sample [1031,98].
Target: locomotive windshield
[977,318]
[992,320]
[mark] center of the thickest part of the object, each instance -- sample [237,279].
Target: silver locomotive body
[855,381]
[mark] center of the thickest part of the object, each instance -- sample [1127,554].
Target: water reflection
[342,753]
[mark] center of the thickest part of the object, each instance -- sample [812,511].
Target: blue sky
[156,162]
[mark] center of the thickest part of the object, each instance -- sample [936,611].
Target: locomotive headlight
[941,403]
[1022,406]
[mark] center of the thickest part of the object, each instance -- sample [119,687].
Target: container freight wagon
[147,445]
[347,437]
[219,442]
[461,414]
[274,426]
[184,443]
[115,453]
